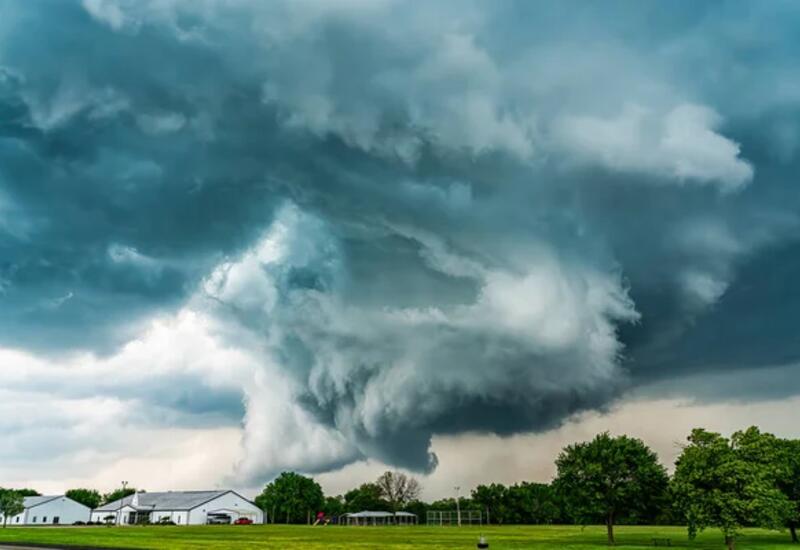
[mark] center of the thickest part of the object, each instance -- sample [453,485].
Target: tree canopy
[87,497]
[491,499]
[398,489]
[729,483]
[11,504]
[788,481]
[367,496]
[609,477]
[291,498]
[117,494]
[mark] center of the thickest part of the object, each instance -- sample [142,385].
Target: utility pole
[119,510]
[458,505]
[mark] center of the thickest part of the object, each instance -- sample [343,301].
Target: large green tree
[532,503]
[334,506]
[87,497]
[609,477]
[729,483]
[492,501]
[789,482]
[291,498]
[11,504]
[367,496]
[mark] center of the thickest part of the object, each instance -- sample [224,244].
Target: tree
[531,503]
[398,489]
[87,497]
[608,477]
[28,492]
[368,496]
[11,504]
[291,497]
[789,481]
[492,499]
[729,484]
[334,506]
[418,508]
[117,494]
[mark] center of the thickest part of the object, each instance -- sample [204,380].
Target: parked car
[218,519]
[243,521]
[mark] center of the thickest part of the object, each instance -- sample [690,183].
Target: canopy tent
[379,518]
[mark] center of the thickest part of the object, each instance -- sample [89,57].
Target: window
[34,519]
[16,520]
[44,519]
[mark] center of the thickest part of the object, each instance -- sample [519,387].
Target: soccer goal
[454,517]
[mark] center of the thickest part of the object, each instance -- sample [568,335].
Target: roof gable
[170,500]
[30,502]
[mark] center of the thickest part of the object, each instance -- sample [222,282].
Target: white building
[50,510]
[180,507]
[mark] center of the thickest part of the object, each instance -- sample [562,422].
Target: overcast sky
[239,237]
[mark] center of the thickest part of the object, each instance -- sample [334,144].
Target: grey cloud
[504,213]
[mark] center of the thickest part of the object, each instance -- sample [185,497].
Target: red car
[243,521]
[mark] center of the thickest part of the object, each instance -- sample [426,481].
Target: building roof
[30,502]
[170,500]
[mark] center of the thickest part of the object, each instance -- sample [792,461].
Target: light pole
[119,510]
[458,505]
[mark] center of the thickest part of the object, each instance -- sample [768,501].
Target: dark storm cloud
[488,216]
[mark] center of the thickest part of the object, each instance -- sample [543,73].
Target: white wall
[66,510]
[230,503]
[119,515]
[179,517]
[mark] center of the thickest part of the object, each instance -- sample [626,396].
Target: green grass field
[385,538]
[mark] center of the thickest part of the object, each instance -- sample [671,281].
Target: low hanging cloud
[345,238]
[386,379]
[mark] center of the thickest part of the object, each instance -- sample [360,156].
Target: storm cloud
[382,224]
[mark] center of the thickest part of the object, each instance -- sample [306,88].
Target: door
[56,519]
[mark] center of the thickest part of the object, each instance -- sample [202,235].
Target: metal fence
[451,517]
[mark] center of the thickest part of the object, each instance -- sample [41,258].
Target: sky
[242,237]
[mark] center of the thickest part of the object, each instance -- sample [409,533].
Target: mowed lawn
[384,538]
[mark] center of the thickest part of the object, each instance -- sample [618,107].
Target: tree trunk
[793,531]
[610,527]
[730,542]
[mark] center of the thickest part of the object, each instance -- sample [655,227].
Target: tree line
[751,479]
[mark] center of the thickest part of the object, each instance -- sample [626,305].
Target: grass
[280,537]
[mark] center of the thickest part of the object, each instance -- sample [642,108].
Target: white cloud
[681,145]
[161,123]
[109,12]
[71,98]
[378,371]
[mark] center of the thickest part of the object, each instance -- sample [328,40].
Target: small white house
[50,510]
[180,507]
